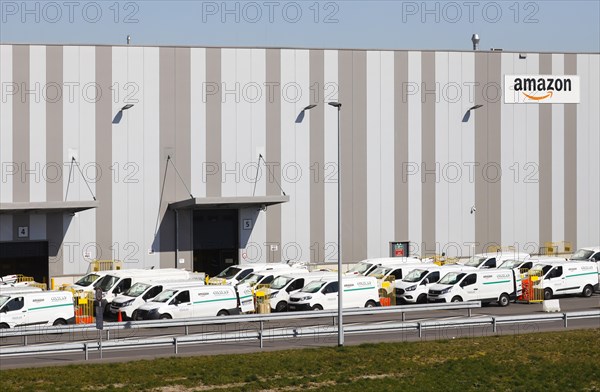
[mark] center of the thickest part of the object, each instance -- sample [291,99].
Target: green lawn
[561,361]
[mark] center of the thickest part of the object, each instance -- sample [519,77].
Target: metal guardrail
[248,318]
[282,333]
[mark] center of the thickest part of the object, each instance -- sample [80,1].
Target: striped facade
[412,162]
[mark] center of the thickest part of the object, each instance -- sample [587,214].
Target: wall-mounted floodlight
[128,106]
[467,115]
[301,114]
[119,114]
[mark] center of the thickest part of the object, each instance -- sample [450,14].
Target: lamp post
[337,105]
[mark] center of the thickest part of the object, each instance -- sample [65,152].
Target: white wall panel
[37,121]
[558,158]
[150,106]
[243,139]
[331,86]
[373,149]
[6,124]
[467,152]
[198,121]
[230,93]
[532,133]
[442,152]
[414,150]
[387,153]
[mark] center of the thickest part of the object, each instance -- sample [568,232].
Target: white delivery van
[364,267]
[525,265]
[391,273]
[186,302]
[86,283]
[118,282]
[284,285]
[493,259]
[482,285]
[233,274]
[268,275]
[11,289]
[567,277]
[141,292]
[591,253]
[36,308]
[414,286]
[359,292]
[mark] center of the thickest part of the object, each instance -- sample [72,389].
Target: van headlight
[306,298]
[127,303]
[446,291]
[411,288]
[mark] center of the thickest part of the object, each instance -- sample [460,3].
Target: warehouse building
[204,157]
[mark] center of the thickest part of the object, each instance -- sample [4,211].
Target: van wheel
[457,299]
[222,313]
[317,307]
[134,315]
[59,322]
[165,317]
[370,304]
[504,300]
[4,326]
[281,306]
[587,291]
[422,299]
[547,294]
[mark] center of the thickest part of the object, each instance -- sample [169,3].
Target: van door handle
[475,289]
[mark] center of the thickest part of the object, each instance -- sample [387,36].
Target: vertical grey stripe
[55,234]
[183,159]
[400,146]
[428,167]
[317,156]
[213,121]
[167,125]
[273,150]
[570,138]
[104,116]
[481,152]
[353,166]
[54,124]
[20,118]
[545,159]
[493,92]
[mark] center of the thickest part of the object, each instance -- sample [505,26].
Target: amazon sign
[541,89]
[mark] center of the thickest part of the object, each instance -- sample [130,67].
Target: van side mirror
[425,281]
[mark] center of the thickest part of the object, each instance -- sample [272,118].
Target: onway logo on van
[541,89]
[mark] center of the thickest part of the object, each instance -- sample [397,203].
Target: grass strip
[553,361]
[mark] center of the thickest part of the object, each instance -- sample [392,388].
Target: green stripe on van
[246,296]
[51,306]
[360,288]
[498,281]
[582,274]
[215,300]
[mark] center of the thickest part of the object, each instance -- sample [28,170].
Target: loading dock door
[29,258]
[215,240]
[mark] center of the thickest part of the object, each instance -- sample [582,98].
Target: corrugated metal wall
[413,164]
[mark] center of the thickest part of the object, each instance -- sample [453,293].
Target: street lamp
[337,105]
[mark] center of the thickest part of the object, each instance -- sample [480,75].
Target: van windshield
[360,268]
[380,272]
[280,282]
[251,279]
[164,296]
[229,272]
[87,280]
[137,289]
[313,287]
[582,254]
[3,300]
[107,282]
[510,264]
[415,275]
[475,261]
[452,278]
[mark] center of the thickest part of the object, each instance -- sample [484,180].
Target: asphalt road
[567,304]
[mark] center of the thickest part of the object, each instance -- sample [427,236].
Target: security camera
[473,209]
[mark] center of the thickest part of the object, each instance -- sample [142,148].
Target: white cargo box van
[177,303]
[414,286]
[284,285]
[36,308]
[482,285]
[493,259]
[573,277]
[359,292]
[367,266]
[141,292]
